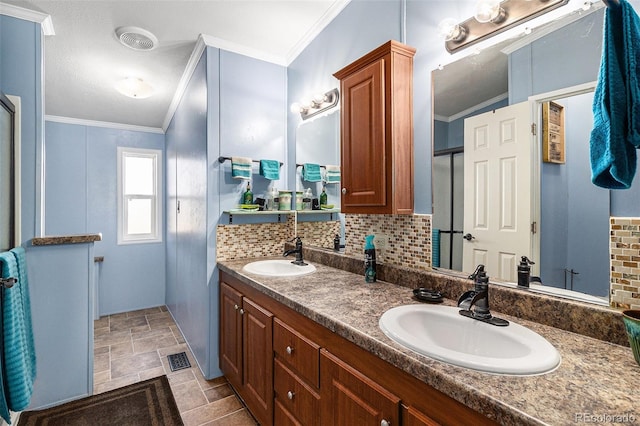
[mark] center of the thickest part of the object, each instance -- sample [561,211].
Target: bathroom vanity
[315,344]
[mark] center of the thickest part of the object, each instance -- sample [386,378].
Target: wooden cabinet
[376,131]
[351,398]
[292,371]
[296,376]
[246,350]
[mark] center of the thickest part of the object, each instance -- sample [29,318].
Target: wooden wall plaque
[553,148]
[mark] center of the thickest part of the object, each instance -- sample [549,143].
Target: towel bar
[222,159]
[609,3]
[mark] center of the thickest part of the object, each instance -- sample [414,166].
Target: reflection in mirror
[318,142]
[570,243]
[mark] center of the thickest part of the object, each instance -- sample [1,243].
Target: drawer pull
[385,423]
[289,350]
[290,395]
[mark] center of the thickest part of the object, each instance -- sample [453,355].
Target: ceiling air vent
[136,38]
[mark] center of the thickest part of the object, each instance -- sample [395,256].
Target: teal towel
[311,172]
[616,112]
[270,169]
[241,167]
[332,174]
[18,343]
[8,269]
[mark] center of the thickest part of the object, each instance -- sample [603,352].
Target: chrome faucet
[475,303]
[298,252]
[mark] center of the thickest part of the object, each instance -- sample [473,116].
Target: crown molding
[106,124]
[29,15]
[313,32]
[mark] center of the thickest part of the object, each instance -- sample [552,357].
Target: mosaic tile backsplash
[318,234]
[408,238]
[625,262]
[253,240]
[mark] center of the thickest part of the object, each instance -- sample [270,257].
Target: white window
[139,195]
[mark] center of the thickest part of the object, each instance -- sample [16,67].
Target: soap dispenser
[524,272]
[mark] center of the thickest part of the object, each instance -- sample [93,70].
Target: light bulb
[450,30]
[489,11]
[295,107]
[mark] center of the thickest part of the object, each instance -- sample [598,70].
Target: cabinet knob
[289,350]
[241,311]
[236,307]
[344,190]
[385,423]
[290,395]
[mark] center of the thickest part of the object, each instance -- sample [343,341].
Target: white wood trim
[29,15]
[120,126]
[17,152]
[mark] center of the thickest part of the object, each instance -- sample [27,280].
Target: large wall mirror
[568,222]
[318,142]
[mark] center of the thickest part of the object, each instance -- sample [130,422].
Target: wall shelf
[279,213]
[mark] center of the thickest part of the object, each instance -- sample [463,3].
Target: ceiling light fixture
[494,16]
[135,87]
[136,38]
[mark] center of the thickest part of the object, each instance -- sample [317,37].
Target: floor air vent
[178,361]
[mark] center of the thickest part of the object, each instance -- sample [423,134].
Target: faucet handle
[524,260]
[479,276]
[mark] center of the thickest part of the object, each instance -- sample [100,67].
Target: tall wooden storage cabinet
[376,131]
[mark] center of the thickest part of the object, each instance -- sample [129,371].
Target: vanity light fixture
[135,87]
[319,103]
[494,16]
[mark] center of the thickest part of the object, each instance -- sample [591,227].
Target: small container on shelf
[284,200]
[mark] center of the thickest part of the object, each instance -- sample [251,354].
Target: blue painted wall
[60,278]
[21,75]
[81,197]
[233,106]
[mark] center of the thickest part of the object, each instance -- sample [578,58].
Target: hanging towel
[435,248]
[18,344]
[332,174]
[311,172]
[616,112]
[241,167]
[8,269]
[270,169]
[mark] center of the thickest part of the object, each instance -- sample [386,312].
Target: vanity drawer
[299,353]
[297,399]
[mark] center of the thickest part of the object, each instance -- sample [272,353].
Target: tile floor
[133,346]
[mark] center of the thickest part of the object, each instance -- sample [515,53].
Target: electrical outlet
[380,241]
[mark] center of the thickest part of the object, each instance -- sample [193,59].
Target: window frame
[155,236]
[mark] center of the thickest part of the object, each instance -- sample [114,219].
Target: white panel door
[497,190]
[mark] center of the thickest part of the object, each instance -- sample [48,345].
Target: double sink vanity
[324,347]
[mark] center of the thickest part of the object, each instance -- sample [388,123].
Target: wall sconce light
[493,17]
[319,103]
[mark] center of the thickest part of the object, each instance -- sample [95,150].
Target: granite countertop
[595,382]
[66,239]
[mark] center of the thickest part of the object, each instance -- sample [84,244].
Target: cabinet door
[362,123]
[413,417]
[258,360]
[350,398]
[231,334]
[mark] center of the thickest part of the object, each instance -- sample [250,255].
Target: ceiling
[84,59]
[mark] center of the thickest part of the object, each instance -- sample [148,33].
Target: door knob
[344,190]
[469,237]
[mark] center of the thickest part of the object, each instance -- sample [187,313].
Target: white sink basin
[440,332]
[278,268]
